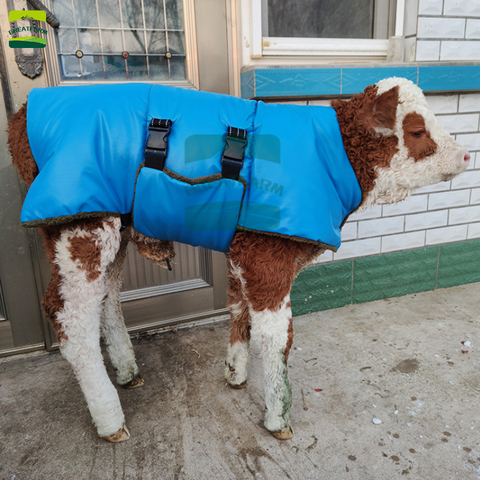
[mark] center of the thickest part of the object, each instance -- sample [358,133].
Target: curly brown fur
[85,252]
[53,301]
[359,118]
[20,147]
[240,324]
[269,265]
[157,251]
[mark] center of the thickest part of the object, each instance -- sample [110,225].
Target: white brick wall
[473,231]
[431,27]
[443,213]
[443,30]
[473,29]
[430,7]
[448,30]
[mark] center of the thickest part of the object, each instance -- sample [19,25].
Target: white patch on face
[404,175]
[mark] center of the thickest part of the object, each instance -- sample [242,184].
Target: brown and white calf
[394,144]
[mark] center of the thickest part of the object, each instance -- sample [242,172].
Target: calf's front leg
[262,268]
[236,364]
[272,329]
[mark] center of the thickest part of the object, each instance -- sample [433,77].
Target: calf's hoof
[138,381]
[283,434]
[236,378]
[121,436]
[239,385]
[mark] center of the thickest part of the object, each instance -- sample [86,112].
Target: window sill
[324,46]
[170,83]
[318,81]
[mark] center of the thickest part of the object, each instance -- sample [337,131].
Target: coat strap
[157,143]
[233,154]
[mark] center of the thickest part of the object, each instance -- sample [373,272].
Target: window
[123,40]
[324,19]
[324,27]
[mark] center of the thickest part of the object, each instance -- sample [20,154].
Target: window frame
[264,47]
[192,80]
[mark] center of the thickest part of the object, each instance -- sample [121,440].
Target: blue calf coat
[89,141]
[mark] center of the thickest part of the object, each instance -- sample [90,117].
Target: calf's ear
[383,115]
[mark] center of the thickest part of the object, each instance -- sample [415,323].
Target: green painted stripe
[332,285]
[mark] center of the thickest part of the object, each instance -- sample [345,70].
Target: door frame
[25,277]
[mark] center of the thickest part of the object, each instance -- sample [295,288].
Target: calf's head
[394,142]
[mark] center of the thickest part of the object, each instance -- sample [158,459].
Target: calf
[394,145]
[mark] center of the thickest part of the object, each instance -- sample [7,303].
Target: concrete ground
[409,362]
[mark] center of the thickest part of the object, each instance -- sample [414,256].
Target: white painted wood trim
[192,63]
[256,28]
[234,46]
[400,18]
[304,47]
[324,46]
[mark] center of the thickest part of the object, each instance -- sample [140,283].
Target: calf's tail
[20,147]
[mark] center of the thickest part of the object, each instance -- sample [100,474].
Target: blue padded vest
[89,143]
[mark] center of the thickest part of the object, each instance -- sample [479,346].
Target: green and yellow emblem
[27,41]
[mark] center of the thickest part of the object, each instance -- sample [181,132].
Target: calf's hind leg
[81,253]
[114,332]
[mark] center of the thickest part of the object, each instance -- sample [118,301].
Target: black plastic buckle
[157,143]
[126,220]
[233,153]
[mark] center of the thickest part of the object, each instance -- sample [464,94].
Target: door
[97,42]
[21,324]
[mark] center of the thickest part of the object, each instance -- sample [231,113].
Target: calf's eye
[419,133]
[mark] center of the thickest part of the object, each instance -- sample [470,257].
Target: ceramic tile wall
[358,280]
[448,30]
[273,83]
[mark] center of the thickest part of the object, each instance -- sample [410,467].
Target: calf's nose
[467,157]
